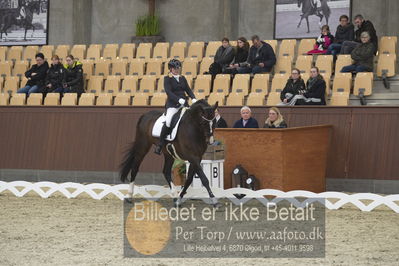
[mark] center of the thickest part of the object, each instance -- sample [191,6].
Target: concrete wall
[105,21]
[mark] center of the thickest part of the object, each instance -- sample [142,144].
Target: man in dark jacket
[220,122]
[261,58]
[345,32]
[246,120]
[362,26]
[36,76]
[363,56]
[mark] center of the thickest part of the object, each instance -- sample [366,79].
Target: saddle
[174,125]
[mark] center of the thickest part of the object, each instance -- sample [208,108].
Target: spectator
[246,120]
[241,55]
[275,119]
[55,76]
[220,122]
[345,32]
[363,56]
[224,56]
[73,78]
[261,58]
[36,76]
[323,42]
[362,26]
[295,85]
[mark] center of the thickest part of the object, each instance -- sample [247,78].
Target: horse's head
[206,114]
[34,6]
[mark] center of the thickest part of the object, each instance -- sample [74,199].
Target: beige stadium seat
[136,67]
[140,99]
[287,48]
[47,50]
[78,51]
[216,97]
[35,99]
[69,99]
[52,99]
[325,63]
[386,65]
[283,65]
[388,45]
[127,51]
[222,83]
[342,82]
[102,67]
[158,99]
[93,52]
[256,99]
[178,50]
[95,84]
[110,51]
[190,80]
[1,84]
[260,83]
[62,51]
[87,99]
[340,99]
[241,84]
[273,44]
[11,84]
[190,67]
[205,64]
[88,67]
[130,84]
[200,94]
[160,84]
[304,63]
[20,68]
[161,51]
[4,98]
[235,99]
[279,81]
[196,50]
[119,67]
[23,82]
[212,47]
[203,82]
[5,68]
[30,53]
[122,99]
[14,54]
[342,60]
[104,99]
[363,84]
[18,99]
[144,51]
[154,67]
[305,45]
[3,53]
[148,84]
[305,77]
[112,84]
[233,43]
[273,99]
[327,79]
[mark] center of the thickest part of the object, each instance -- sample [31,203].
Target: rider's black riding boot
[164,132]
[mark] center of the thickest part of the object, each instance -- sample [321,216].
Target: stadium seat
[222,82]
[363,84]
[205,64]
[52,99]
[190,67]
[158,99]
[241,84]
[273,44]
[3,53]
[327,79]
[161,51]
[190,80]
[154,67]
[340,98]
[140,99]
[14,54]
[283,65]
[387,45]
[88,68]
[4,98]
[273,99]
[93,52]
[305,45]
[235,99]
[178,50]
[127,51]
[1,84]
[35,99]
[62,51]
[305,77]
[87,99]
[11,84]
[325,63]
[18,99]
[136,67]
[287,48]
[69,99]
[130,84]
[47,50]
[95,84]
[200,94]
[30,53]
[279,81]
[110,51]
[160,84]
[112,84]
[102,67]
[148,84]
[196,50]
[260,83]
[104,99]
[304,63]
[211,48]
[256,99]
[20,68]
[216,97]
[203,82]
[342,82]
[119,67]
[233,43]
[144,51]
[122,99]
[5,68]
[78,51]
[342,60]
[386,65]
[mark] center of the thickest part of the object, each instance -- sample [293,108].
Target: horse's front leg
[307,22]
[189,180]
[205,182]
[300,21]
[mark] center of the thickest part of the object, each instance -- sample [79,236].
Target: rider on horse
[176,87]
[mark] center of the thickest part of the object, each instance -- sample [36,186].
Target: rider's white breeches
[169,115]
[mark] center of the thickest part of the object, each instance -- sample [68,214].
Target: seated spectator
[315,90]
[275,119]
[323,42]
[345,32]
[261,58]
[223,57]
[55,76]
[295,85]
[362,26]
[73,78]
[36,76]
[246,120]
[220,122]
[363,56]
[241,55]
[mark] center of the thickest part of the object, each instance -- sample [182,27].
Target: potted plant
[179,172]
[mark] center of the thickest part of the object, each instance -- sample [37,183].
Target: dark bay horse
[195,131]
[309,9]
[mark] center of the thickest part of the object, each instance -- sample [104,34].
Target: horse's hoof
[177,202]
[217,205]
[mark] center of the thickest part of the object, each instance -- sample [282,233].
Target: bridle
[210,121]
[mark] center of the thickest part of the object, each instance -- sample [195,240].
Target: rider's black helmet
[174,63]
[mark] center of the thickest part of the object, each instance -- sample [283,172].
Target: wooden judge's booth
[284,159]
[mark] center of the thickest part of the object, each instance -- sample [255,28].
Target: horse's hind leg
[167,172]
[300,21]
[307,23]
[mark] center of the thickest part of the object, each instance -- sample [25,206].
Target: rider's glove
[193,100]
[182,101]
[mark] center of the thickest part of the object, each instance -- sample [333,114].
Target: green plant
[180,165]
[147,26]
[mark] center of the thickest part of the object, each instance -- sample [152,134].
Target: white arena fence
[99,191]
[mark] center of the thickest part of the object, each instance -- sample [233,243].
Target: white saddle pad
[156,130]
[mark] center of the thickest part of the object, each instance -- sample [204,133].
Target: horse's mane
[198,105]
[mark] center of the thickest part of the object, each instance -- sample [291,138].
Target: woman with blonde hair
[275,119]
